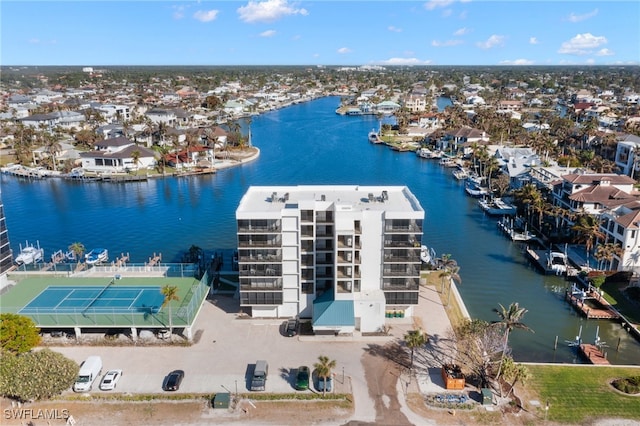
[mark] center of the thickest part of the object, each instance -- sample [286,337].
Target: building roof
[274,199]
[596,178]
[328,312]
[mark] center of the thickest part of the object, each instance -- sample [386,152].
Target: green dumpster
[487,396]
[221,400]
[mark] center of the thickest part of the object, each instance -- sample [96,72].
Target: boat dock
[154,260]
[508,228]
[593,354]
[591,306]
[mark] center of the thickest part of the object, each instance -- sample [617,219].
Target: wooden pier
[603,310]
[154,260]
[593,354]
[122,260]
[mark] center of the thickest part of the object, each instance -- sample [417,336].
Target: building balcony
[262,285]
[255,271]
[401,272]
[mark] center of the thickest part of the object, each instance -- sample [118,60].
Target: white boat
[426,153]
[427,255]
[374,137]
[460,173]
[448,161]
[97,255]
[475,190]
[497,207]
[29,254]
[557,262]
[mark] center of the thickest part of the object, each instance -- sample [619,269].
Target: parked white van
[90,369]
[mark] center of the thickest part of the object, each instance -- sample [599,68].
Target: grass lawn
[613,294]
[579,394]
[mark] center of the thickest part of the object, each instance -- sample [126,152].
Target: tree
[135,156]
[78,250]
[18,334]
[323,367]
[588,232]
[170,293]
[36,375]
[510,319]
[514,373]
[478,345]
[415,339]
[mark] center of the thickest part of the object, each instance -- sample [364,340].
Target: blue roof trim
[328,312]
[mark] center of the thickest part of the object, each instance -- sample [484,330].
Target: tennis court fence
[101,317]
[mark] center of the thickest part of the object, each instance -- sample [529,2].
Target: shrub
[630,385]
[18,334]
[36,375]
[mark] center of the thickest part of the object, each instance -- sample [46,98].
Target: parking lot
[228,346]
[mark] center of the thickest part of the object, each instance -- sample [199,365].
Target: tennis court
[93,299]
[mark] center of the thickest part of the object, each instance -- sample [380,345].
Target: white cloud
[404,61]
[38,41]
[268,11]
[579,18]
[604,52]
[582,44]
[533,40]
[462,31]
[590,61]
[344,50]
[446,43]
[206,15]
[434,4]
[394,29]
[493,41]
[268,33]
[178,12]
[517,62]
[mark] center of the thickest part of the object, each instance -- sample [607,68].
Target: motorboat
[97,255]
[374,137]
[29,254]
[557,262]
[497,207]
[427,255]
[460,173]
[475,190]
[426,153]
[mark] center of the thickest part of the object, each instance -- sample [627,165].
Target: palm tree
[323,368]
[78,250]
[453,275]
[170,293]
[510,319]
[53,148]
[415,339]
[588,232]
[135,156]
[447,265]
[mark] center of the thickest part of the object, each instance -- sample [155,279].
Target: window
[307,288]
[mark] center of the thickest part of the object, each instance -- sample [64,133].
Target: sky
[349,33]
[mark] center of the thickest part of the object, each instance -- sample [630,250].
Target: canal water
[310,144]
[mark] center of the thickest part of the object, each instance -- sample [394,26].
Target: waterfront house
[342,256]
[160,115]
[464,136]
[116,155]
[621,226]
[67,152]
[591,193]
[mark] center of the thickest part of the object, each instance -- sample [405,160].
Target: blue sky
[282,32]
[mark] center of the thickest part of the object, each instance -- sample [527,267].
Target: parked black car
[173,380]
[291,327]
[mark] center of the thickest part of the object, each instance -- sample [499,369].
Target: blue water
[309,144]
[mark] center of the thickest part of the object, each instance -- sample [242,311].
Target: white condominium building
[344,256]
